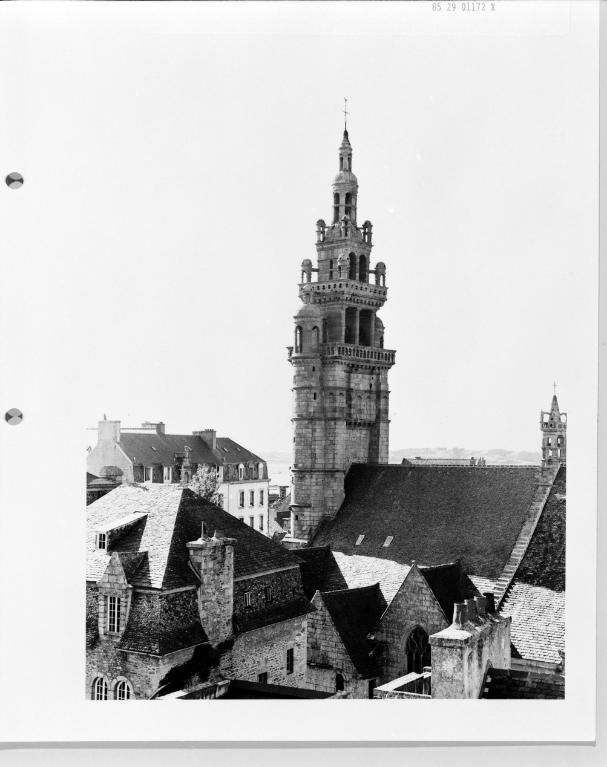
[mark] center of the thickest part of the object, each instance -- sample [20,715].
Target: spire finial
[346,113]
[554,387]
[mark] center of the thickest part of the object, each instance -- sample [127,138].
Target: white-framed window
[251,497]
[100,689]
[113,614]
[261,497]
[123,690]
[241,499]
[260,471]
[247,599]
[261,521]
[101,541]
[241,471]
[168,473]
[147,474]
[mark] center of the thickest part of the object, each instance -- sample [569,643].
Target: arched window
[362,269]
[100,689]
[341,163]
[298,339]
[260,471]
[123,691]
[335,207]
[339,683]
[241,471]
[417,650]
[315,337]
[352,269]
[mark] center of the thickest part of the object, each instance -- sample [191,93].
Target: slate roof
[506,683]
[154,448]
[536,598]
[355,614]
[449,584]
[538,621]
[435,514]
[174,516]
[153,628]
[272,613]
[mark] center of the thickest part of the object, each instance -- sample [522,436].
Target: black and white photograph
[311,321]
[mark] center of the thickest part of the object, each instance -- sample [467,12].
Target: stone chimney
[108,431]
[209,436]
[462,653]
[213,561]
[157,426]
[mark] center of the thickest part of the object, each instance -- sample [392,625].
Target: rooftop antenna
[346,113]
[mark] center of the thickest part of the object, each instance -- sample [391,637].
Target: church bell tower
[553,424]
[340,365]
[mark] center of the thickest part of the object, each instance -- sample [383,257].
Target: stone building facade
[180,593]
[148,455]
[340,365]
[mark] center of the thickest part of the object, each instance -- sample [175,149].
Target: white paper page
[175,160]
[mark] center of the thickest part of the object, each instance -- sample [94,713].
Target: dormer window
[241,471]
[388,541]
[101,541]
[260,471]
[247,599]
[268,593]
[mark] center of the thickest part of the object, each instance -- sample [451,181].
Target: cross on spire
[554,387]
[346,113]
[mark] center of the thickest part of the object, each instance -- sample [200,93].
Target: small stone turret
[213,561]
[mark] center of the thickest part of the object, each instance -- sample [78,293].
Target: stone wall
[285,585]
[413,605]
[327,656]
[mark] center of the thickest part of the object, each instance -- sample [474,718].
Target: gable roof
[153,448]
[449,584]
[355,614]
[173,517]
[435,514]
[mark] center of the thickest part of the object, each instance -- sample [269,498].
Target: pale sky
[176,168]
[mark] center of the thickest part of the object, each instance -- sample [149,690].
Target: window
[241,519]
[99,689]
[167,473]
[330,268]
[339,683]
[262,678]
[261,521]
[251,521]
[268,593]
[113,614]
[388,541]
[101,540]
[371,687]
[417,650]
[261,497]
[123,690]
[247,599]
[241,499]
[359,540]
[260,471]
[298,342]
[147,474]
[241,472]
[290,659]
[220,500]
[251,497]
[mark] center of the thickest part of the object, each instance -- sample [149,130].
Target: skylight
[388,541]
[359,540]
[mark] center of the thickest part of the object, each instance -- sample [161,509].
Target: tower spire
[346,113]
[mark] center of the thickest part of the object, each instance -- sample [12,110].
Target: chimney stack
[208,436]
[108,431]
[460,613]
[490,605]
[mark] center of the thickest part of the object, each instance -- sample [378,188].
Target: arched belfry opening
[352,266]
[335,207]
[363,271]
[351,328]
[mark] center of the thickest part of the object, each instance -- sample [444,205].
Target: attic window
[101,541]
[388,541]
[154,449]
[247,599]
[268,593]
[359,540]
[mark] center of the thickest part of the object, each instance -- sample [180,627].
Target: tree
[204,483]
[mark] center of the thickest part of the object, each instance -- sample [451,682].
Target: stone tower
[554,435]
[340,366]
